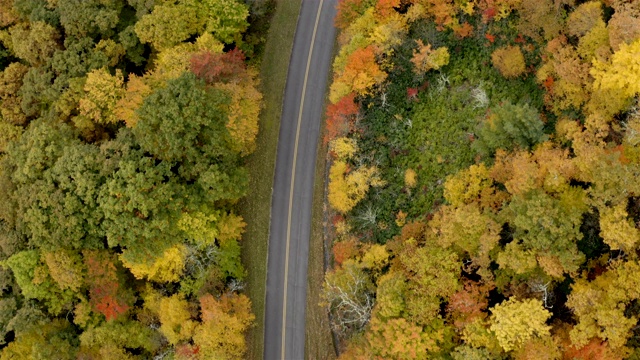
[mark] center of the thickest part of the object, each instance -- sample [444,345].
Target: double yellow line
[293,179]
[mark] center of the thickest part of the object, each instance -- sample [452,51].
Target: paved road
[293,184]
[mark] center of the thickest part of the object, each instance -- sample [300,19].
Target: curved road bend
[292,196]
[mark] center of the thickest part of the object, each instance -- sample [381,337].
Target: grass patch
[256,206]
[319,343]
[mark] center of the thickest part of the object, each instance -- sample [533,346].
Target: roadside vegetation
[124,131]
[483,183]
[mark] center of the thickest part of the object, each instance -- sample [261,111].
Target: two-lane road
[293,184]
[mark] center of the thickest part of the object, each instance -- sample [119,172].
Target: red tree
[106,294]
[340,117]
[214,68]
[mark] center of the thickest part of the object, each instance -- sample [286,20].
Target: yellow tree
[102,92]
[515,322]
[509,61]
[361,72]
[599,305]
[467,231]
[617,230]
[166,268]
[622,72]
[10,83]
[348,188]
[131,100]
[244,109]
[425,58]
[224,321]
[175,319]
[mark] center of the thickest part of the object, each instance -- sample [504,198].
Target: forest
[484,167]
[124,125]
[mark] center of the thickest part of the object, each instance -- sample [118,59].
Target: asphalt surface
[290,227]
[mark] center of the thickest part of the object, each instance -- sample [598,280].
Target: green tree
[433,276]
[141,202]
[509,126]
[57,181]
[35,43]
[53,340]
[81,18]
[118,340]
[226,19]
[33,278]
[546,230]
[184,123]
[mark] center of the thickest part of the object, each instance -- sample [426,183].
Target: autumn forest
[482,174]
[123,129]
[484,163]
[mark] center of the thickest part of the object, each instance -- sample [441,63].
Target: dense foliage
[484,179]
[123,127]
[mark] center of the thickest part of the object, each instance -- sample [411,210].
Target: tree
[617,230]
[390,295]
[51,340]
[584,18]
[340,117]
[398,339]
[515,322]
[359,75]
[226,19]
[57,179]
[425,59]
[566,75]
[118,340]
[10,84]
[619,72]
[343,148]
[509,126]
[128,104]
[220,335]
[349,10]
[539,348]
[348,293]
[141,202]
[66,268]
[469,304]
[219,67]
[33,278]
[8,15]
[432,274]
[623,26]
[102,93]
[183,122]
[168,267]
[539,20]
[467,231]
[599,306]
[243,110]
[169,24]
[34,43]
[596,349]
[545,228]
[81,18]
[509,61]
[107,294]
[346,189]
[175,318]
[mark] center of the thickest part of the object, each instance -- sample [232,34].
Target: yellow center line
[293,178]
